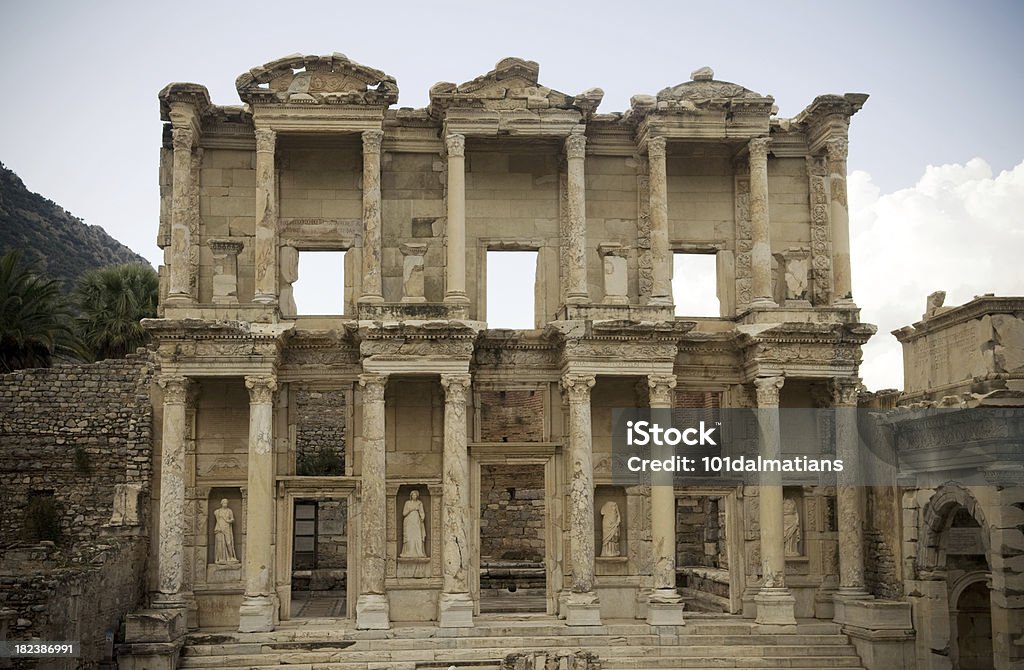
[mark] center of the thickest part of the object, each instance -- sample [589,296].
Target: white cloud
[958,230]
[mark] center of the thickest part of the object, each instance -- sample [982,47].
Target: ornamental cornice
[975,309]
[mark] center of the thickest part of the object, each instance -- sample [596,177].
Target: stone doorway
[513,522]
[972,612]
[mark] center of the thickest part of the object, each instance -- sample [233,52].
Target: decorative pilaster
[179,288]
[171,558]
[256,613]
[744,235]
[848,491]
[760,225]
[372,287]
[372,606]
[456,606]
[661,255]
[665,605]
[266,217]
[455,271]
[837,150]
[574,237]
[582,607]
[775,603]
[821,246]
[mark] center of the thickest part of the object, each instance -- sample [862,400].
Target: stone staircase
[706,641]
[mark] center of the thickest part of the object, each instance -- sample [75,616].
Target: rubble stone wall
[512,518]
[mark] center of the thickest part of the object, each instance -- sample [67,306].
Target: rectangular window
[320,288]
[511,289]
[695,284]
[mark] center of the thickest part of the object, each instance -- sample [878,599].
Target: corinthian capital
[175,388]
[577,386]
[182,138]
[576,144]
[265,140]
[372,140]
[456,387]
[656,147]
[373,387]
[759,149]
[845,391]
[261,389]
[455,144]
[768,389]
[837,149]
[659,390]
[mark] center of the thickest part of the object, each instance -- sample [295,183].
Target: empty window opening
[320,288]
[695,284]
[511,289]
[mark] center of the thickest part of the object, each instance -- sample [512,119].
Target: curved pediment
[702,92]
[511,85]
[315,80]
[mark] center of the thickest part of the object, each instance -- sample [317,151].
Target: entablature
[801,349]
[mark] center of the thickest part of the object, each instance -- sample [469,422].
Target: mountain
[60,244]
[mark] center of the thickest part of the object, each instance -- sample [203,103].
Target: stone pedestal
[152,640]
[372,612]
[574,237]
[761,251]
[455,271]
[372,604]
[775,606]
[372,284]
[661,255]
[455,610]
[456,605]
[582,609]
[225,270]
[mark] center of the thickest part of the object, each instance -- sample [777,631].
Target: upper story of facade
[316,159]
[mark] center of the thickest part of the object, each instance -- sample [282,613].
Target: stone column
[372,606]
[258,609]
[171,561]
[837,150]
[665,605]
[760,226]
[456,607]
[455,271]
[661,255]
[775,604]
[574,237]
[179,288]
[266,217]
[582,607]
[848,490]
[372,288]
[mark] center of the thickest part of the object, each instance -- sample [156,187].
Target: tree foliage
[35,321]
[111,303]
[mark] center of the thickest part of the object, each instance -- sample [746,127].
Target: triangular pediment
[316,80]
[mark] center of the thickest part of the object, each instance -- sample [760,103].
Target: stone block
[155,626]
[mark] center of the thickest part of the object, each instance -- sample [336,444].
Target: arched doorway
[971,616]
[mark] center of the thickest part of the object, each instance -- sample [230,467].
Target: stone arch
[938,514]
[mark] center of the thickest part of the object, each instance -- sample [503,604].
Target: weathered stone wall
[320,418]
[512,518]
[881,537]
[227,205]
[412,211]
[512,416]
[700,532]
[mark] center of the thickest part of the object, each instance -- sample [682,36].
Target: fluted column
[775,603]
[664,607]
[372,606]
[582,604]
[455,275]
[575,235]
[372,288]
[179,288]
[456,607]
[256,613]
[661,255]
[171,559]
[837,150]
[266,217]
[848,489]
[760,226]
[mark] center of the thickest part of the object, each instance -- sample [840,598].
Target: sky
[937,178]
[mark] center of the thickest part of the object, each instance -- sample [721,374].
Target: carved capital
[759,149]
[261,389]
[845,391]
[456,386]
[837,149]
[577,387]
[656,147]
[455,144]
[175,388]
[576,145]
[265,140]
[659,390]
[373,387]
[182,138]
[372,140]
[768,389]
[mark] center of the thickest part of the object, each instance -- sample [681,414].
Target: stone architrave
[256,614]
[761,247]
[848,489]
[837,150]
[661,255]
[582,606]
[455,274]
[266,217]
[574,236]
[372,286]
[225,270]
[179,289]
[665,605]
[372,610]
[775,603]
[171,551]
[412,271]
[616,273]
[456,606]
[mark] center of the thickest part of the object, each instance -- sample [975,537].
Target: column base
[373,299]
[372,612]
[261,299]
[455,611]
[413,300]
[256,615]
[582,609]
[178,299]
[456,298]
[762,303]
[665,608]
[775,607]
[577,299]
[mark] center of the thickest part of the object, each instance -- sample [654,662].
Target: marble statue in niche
[791,527]
[224,535]
[414,529]
[611,523]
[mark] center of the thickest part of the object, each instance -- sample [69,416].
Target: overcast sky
[81,121]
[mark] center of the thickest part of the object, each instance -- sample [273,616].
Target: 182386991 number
[38,648]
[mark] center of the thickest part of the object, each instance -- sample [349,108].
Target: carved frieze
[331,79]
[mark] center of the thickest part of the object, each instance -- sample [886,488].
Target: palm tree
[35,322]
[111,303]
